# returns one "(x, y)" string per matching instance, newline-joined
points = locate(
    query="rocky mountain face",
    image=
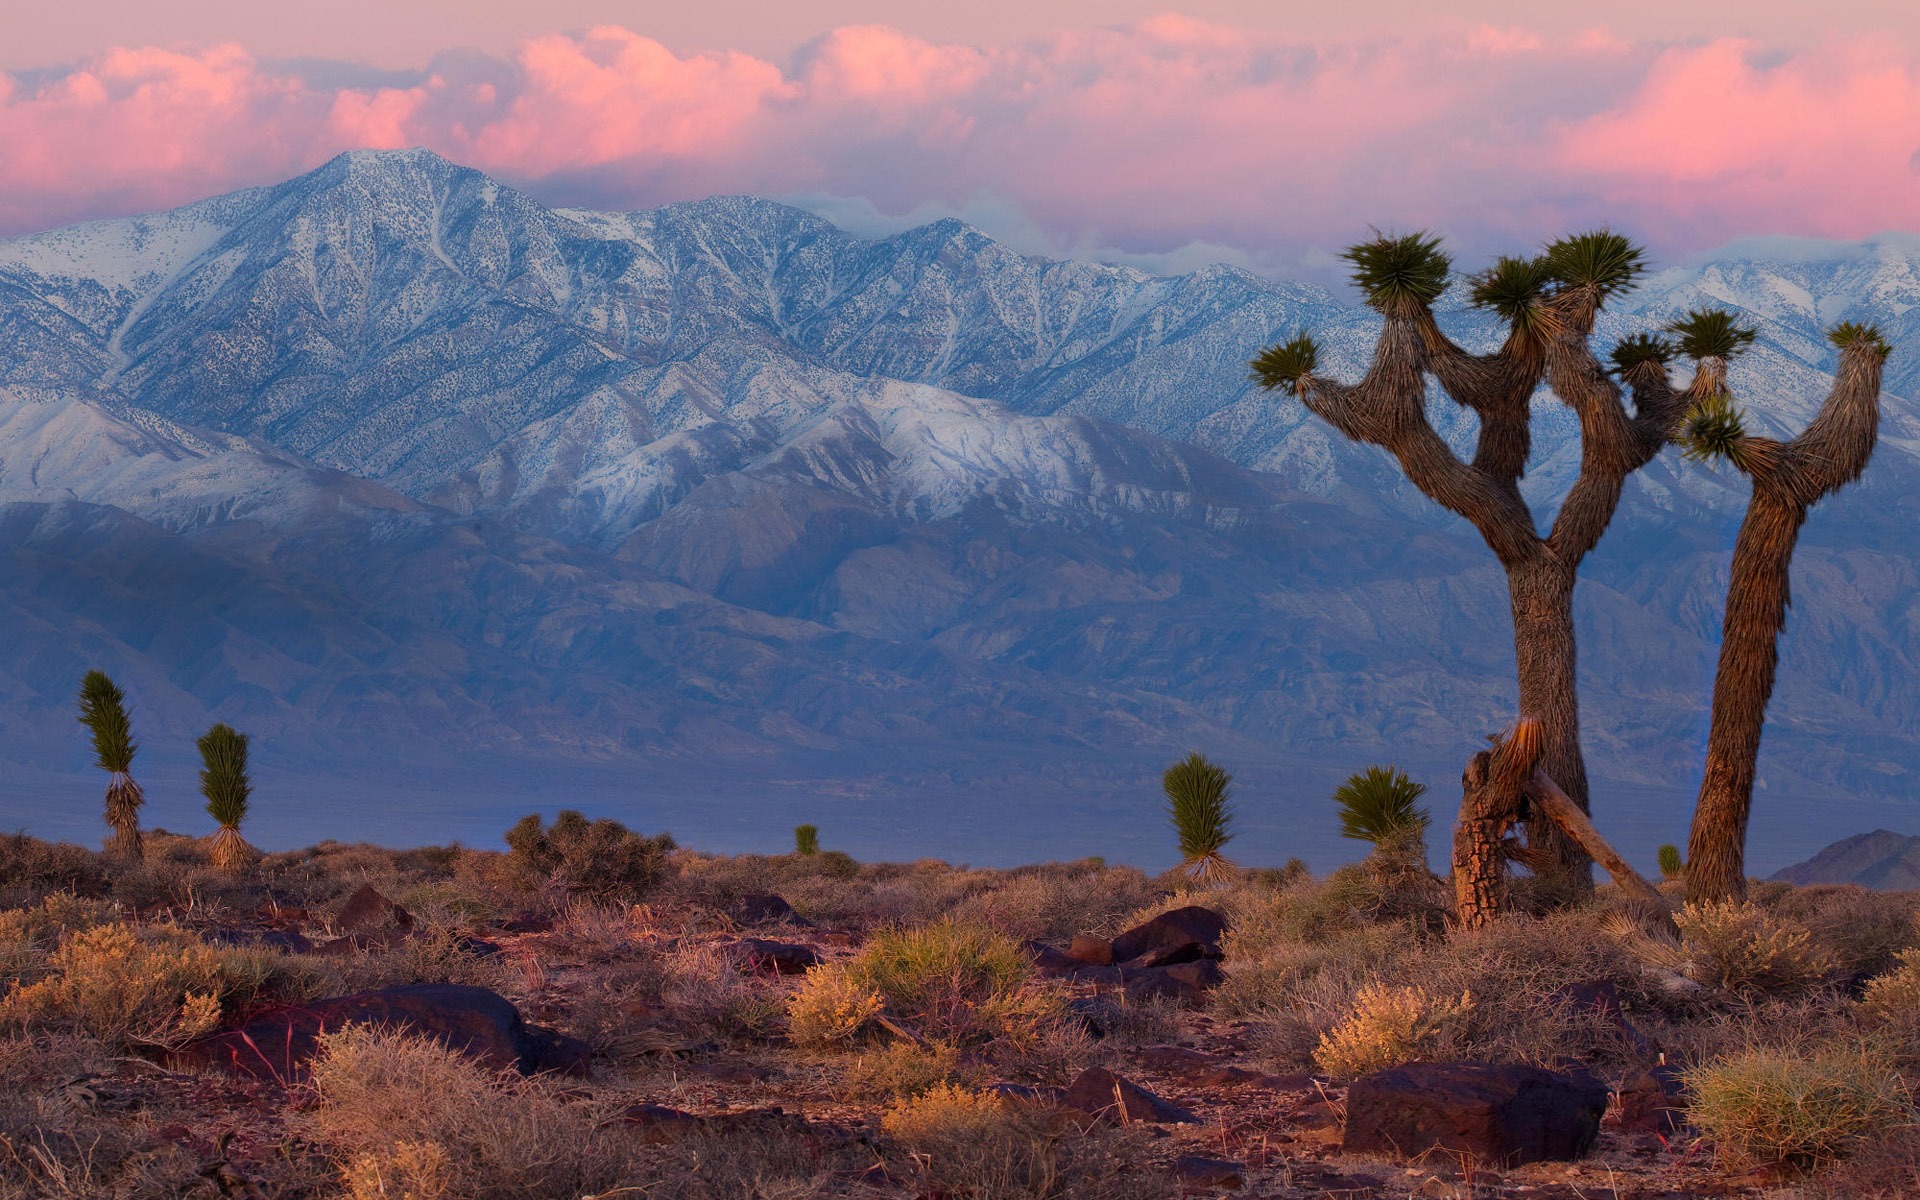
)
(390, 452)
(1882, 859)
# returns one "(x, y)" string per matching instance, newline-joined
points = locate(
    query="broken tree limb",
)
(1558, 807)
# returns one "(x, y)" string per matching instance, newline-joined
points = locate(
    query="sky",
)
(1263, 134)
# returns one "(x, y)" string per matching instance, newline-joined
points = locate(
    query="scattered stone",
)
(656, 1120)
(1498, 1115)
(1175, 1058)
(1654, 1101)
(1200, 1171)
(1094, 951)
(1184, 983)
(783, 958)
(367, 910)
(477, 947)
(764, 908)
(1050, 962)
(278, 1044)
(1096, 1014)
(1169, 930)
(1100, 1093)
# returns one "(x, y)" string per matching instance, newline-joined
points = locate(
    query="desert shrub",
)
(153, 985)
(402, 1112)
(899, 1070)
(1859, 930)
(29, 935)
(707, 987)
(1388, 1026)
(601, 858)
(832, 1009)
(31, 868)
(1799, 1108)
(970, 1144)
(433, 954)
(764, 1159)
(1886, 1167)
(834, 864)
(1743, 948)
(952, 980)
(1054, 901)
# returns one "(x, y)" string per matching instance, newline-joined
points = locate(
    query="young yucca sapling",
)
(103, 710)
(1672, 865)
(806, 840)
(1197, 794)
(1380, 805)
(224, 782)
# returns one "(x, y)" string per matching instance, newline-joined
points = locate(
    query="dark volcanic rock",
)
(1100, 1093)
(1050, 962)
(785, 958)
(278, 1044)
(1500, 1115)
(1653, 1102)
(1199, 1171)
(367, 910)
(1185, 983)
(1170, 931)
(1094, 951)
(764, 908)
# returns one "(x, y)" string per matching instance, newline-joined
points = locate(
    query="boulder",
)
(1170, 931)
(1498, 1115)
(1049, 962)
(1197, 1170)
(1186, 983)
(764, 908)
(1100, 1093)
(279, 1043)
(367, 911)
(1654, 1101)
(783, 958)
(1094, 951)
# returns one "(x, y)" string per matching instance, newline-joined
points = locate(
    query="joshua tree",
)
(1788, 478)
(806, 840)
(224, 782)
(103, 710)
(1548, 305)
(1197, 793)
(1378, 805)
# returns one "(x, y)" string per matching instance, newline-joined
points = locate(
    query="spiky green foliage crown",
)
(1600, 261)
(1640, 349)
(103, 710)
(1512, 289)
(1852, 333)
(1284, 364)
(806, 840)
(1716, 428)
(223, 775)
(1711, 333)
(1379, 804)
(1672, 865)
(1396, 272)
(1197, 792)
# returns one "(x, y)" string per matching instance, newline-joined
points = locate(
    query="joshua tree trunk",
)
(1787, 480)
(1544, 651)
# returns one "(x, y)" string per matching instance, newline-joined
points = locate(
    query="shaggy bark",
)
(1788, 478)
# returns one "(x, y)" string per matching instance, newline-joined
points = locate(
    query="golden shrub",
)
(1388, 1026)
(1798, 1108)
(158, 986)
(831, 1009)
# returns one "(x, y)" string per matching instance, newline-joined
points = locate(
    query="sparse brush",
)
(103, 711)
(1399, 272)
(1767, 1107)
(1600, 262)
(225, 784)
(1379, 805)
(1285, 366)
(806, 840)
(1711, 333)
(1848, 334)
(601, 858)
(1197, 793)
(1514, 289)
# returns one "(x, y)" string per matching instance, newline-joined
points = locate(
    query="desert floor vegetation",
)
(806, 1025)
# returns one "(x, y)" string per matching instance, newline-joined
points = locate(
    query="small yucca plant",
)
(103, 710)
(1378, 805)
(224, 782)
(1672, 865)
(1197, 792)
(806, 840)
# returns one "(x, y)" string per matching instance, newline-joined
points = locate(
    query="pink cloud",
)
(1143, 138)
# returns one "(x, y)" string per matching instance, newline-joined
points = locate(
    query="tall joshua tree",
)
(224, 782)
(1549, 305)
(103, 710)
(1788, 478)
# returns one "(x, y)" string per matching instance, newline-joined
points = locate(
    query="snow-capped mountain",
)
(722, 485)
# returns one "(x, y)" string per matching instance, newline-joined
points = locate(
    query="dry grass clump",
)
(137, 986)
(1745, 949)
(900, 1070)
(1387, 1027)
(1858, 929)
(1879, 1168)
(979, 1146)
(30, 869)
(707, 988)
(406, 1116)
(1057, 900)
(832, 1009)
(1799, 1108)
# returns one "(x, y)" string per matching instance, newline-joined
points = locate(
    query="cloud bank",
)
(1139, 141)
